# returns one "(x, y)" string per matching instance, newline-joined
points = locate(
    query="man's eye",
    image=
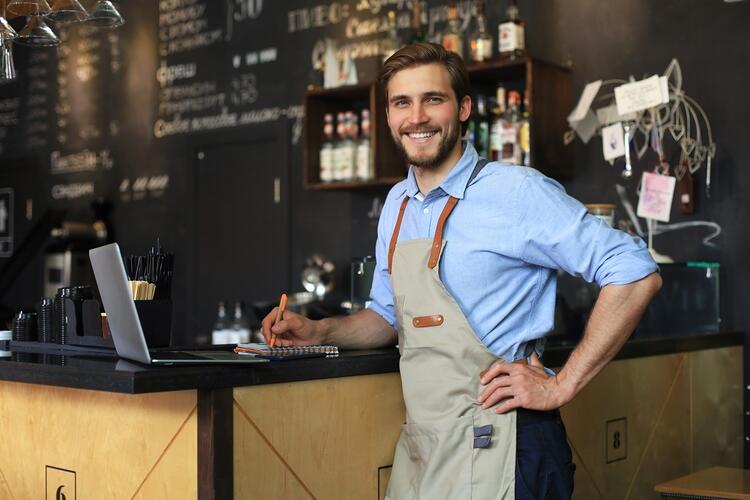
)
(400, 104)
(434, 100)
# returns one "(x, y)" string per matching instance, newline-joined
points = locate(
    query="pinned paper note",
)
(584, 102)
(643, 94)
(586, 128)
(613, 141)
(657, 192)
(609, 115)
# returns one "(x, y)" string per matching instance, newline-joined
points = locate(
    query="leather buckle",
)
(427, 321)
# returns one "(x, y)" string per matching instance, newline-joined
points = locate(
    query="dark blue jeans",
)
(544, 463)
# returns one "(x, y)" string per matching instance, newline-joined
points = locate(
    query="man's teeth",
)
(421, 135)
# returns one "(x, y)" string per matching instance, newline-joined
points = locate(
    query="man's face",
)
(424, 115)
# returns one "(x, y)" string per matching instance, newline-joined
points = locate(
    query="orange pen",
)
(279, 315)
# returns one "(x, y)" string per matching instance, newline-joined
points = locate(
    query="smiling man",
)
(467, 256)
(427, 131)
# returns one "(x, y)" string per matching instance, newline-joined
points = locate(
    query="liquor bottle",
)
(326, 150)
(348, 147)
(240, 326)
(451, 38)
(220, 334)
(394, 42)
(511, 149)
(480, 41)
(364, 165)
(497, 126)
(418, 35)
(338, 147)
(479, 127)
(524, 134)
(511, 33)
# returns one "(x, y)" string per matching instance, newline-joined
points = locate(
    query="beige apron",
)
(449, 448)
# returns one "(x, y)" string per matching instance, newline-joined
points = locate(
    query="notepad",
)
(290, 352)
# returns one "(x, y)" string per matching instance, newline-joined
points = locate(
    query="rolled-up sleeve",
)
(381, 293)
(556, 231)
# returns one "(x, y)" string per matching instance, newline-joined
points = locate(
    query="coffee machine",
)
(66, 257)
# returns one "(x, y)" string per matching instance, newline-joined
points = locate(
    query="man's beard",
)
(444, 148)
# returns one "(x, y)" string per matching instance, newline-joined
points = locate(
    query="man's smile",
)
(421, 136)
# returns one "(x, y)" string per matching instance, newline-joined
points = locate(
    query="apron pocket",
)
(433, 461)
(493, 473)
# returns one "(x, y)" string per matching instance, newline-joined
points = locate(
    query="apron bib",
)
(450, 448)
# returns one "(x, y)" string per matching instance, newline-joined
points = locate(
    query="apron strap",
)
(394, 237)
(438, 239)
(437, 242)
(449, 206)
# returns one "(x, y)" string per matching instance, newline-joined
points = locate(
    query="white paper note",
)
(586, 128)
(584, 102)
(608, 115)
(613, 141)
(640, 95)
(657, 192)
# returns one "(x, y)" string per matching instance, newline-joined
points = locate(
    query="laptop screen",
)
(124, 324)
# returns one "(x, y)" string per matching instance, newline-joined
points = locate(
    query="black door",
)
(241, 232)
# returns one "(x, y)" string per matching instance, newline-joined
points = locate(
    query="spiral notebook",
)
(291, 352)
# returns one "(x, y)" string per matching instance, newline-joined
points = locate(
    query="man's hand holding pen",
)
(283, 328)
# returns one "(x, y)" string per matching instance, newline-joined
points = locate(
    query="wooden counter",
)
(326, 428)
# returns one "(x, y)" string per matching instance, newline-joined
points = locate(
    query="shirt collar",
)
(454, 183)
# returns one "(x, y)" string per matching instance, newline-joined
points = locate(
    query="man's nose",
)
(418, 114)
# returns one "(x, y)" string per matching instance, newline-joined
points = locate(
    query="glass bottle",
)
(511, 149)
(497, 126)
(347, 147)
(524, 134)
(394, 42)
(418, 34)
(338, 147)
(480, 127)
(240, 326)
(511, 33)
(326, 150)
(480, 41)
(364, 165)
(220, 331)
(452, 39)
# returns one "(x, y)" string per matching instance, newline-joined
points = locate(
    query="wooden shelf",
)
(389, 164)
(377, 183)
(546, 88)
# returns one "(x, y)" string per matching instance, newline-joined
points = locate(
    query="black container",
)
(69, 312)
(156, 320)
(45, 315)
(24, 327)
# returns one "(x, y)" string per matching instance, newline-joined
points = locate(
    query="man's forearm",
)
(363, 330)
(614, 317)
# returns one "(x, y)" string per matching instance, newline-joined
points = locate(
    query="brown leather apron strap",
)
(394, 237)
(437, 242)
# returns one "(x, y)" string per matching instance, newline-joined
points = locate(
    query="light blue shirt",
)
(510, 232)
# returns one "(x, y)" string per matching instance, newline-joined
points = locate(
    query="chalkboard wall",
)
(144, 114)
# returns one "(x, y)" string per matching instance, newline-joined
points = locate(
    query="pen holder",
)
(156, 321)
(155, 317)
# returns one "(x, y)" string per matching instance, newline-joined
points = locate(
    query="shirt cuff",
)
(384, 312)
(628, 272)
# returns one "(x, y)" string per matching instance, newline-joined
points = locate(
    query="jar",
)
(605, 211)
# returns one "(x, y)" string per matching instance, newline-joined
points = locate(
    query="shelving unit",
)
(389, 164)
(546, 88)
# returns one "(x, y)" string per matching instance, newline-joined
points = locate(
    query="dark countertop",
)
(110, 374)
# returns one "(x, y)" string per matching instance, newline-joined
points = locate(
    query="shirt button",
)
(426, 210)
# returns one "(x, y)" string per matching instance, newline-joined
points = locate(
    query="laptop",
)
(125, 326)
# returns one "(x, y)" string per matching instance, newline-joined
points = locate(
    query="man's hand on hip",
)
(520, 385)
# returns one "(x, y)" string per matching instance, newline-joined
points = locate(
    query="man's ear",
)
(464, 108)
